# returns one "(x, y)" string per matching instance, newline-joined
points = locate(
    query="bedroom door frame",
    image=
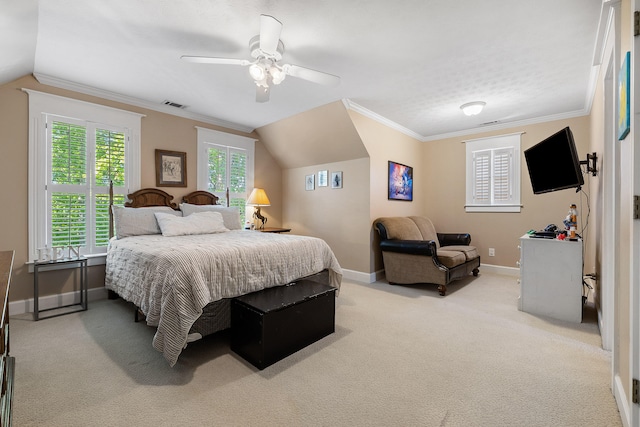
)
(634, 300)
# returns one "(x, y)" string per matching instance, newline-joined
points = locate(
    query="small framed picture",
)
(310, 182)
(336, 179)
(171, 168)
(322, 178)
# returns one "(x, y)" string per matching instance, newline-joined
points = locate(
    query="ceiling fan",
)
(267, 49)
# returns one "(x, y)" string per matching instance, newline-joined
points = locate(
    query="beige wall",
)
(338, 216)
(384, 144)
(445, 173)
(321, 135)
(159, 130)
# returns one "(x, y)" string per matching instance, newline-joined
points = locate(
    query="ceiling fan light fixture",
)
(473, 108)
(277, 75)
(257, 72)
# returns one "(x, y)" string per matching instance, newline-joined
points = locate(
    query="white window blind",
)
(493, 174)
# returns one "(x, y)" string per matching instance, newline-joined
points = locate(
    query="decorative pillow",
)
(138, 221)
(230, 215)
(197, 223)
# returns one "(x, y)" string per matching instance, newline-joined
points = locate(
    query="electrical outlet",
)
(492, 252)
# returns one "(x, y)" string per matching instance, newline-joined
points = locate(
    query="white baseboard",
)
(358, 276)
(500, 269)
(55, 301)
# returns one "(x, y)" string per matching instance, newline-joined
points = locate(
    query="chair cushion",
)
(427, 230)
(401, 228)
(451, 259)
(470, 252)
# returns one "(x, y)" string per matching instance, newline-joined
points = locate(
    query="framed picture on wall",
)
(171, 168)
(336, 179)
(322, 178)
(624, 95)
(310, 182)
(400, 182)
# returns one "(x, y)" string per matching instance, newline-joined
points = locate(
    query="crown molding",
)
(350, 105)
(129, 100)
(479, 129)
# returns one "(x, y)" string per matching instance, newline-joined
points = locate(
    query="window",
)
(76, 150)
(225, 161)
(493, 174)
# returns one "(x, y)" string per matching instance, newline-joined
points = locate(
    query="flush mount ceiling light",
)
(472, 108)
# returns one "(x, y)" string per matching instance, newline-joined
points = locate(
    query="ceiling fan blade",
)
(211, 60)
(270, 29)
(311, 75)
(262, 93)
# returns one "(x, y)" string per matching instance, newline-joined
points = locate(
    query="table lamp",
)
(258, 198)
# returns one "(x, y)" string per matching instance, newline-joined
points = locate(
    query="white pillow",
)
(230, 215)
(198, 223)
(138, 221)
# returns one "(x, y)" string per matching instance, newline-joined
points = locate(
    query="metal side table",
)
(80, 263)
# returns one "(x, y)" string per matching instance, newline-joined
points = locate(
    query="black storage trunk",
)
(271, 324)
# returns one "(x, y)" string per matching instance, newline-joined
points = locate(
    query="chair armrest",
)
(450, 239)
(412, 247)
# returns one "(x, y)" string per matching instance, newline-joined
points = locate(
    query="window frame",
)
(491, 146)
(208, 138)
(42, 106)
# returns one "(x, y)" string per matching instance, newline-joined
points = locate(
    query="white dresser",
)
(551, 278)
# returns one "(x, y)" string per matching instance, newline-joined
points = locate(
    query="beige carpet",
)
(400, 356)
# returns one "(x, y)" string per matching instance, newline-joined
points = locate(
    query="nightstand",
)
(274, 230)
(80, 263)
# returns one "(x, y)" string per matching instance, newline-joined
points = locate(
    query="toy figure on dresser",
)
(571, 222)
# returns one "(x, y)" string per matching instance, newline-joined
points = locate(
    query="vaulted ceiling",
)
(412, 63)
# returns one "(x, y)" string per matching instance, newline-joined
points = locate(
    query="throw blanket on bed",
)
(172, 279)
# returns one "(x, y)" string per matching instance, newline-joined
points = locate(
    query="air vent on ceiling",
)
(174, 104)
(490, 123)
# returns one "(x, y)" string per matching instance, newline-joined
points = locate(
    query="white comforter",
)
(171, 279)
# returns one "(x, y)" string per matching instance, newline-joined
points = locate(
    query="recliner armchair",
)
(413, 252)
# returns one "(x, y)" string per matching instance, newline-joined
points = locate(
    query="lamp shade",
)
(258, 197)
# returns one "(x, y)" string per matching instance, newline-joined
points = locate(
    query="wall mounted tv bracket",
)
(591, 162)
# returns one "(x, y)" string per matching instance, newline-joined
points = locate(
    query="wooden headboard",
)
(150, 197)
(201, 198)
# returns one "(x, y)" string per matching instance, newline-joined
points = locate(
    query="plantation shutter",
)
(84, 159)
(225, 164)
(109, 167)
(238, 179)
(493, 174)
(68, 179)
(217, 182)
(501, 175)
(228, 169)
(482, 177)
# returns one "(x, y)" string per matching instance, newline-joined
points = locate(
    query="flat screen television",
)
(553, 163)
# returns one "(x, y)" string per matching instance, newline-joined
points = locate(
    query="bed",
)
(183, 283)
